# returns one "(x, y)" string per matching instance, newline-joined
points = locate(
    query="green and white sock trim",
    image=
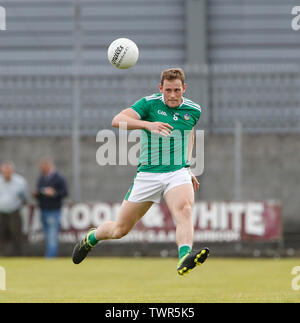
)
(183, 250)
(92, 240)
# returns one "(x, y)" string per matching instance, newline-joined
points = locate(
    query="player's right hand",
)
(160, 128)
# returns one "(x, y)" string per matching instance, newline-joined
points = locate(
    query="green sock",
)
(92, 239)
(183, 250)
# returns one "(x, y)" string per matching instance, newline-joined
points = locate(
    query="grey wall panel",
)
(251, 32)
(42, 32)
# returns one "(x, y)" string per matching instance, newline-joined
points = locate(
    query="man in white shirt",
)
(13, 194)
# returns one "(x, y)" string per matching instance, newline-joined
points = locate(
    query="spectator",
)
(51, 189)
(13, 194)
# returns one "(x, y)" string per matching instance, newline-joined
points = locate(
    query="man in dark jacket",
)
(51, 189)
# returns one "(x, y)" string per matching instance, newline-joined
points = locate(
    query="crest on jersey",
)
(186, 116)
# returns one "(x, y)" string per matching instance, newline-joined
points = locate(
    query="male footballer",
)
(167, 119)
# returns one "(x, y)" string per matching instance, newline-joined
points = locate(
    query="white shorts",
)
(153, 186)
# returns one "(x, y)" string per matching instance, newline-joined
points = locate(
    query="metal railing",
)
(40, 101)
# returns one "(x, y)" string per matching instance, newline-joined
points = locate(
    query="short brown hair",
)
(172, 74)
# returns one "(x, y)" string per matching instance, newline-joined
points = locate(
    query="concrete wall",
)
(270, 168)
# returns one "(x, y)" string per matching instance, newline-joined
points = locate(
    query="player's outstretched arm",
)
(128, 119)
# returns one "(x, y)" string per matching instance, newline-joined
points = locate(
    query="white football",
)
(123, 53)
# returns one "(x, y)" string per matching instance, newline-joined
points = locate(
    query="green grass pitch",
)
(148, 280)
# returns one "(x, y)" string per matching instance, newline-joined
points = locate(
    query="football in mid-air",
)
(123, 53)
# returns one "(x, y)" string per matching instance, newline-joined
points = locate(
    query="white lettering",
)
(162, 112)
(2, 278)
(2, 18)
(236, 210)
(80, 216)
(134, 151)
(254, 219)
(108, 148)
(122, 313)
(123, 148)
(115, 211)
(197, 162)
(208, 215)
(223, 216)
(153, 218)
(65, 219)
(101, 212)
(295, 21)
(296, 280)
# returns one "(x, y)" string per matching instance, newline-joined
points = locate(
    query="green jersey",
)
(161, 154)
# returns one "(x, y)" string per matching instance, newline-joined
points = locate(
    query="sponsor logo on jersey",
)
(162, 113)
